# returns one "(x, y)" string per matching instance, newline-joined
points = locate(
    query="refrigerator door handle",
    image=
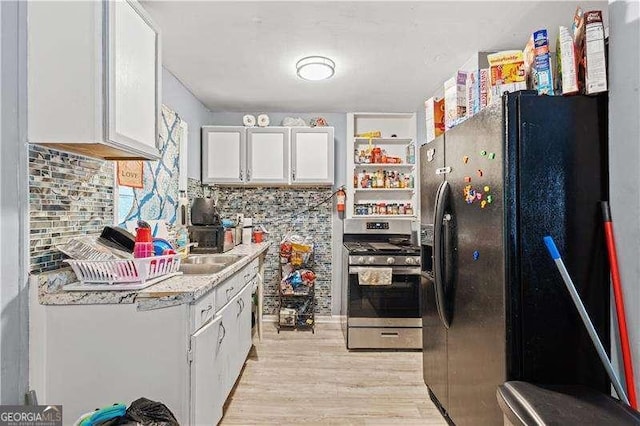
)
(442, 198)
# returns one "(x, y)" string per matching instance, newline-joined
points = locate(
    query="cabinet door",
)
(133, 70)
(208, 373)
(268, 155)
(312, 155)
(223, 154)
(229, 345)
(244, 323)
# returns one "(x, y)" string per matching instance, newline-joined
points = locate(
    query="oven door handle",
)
(396, 270)
(442, 201)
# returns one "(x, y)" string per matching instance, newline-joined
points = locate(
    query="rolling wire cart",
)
(296, 288)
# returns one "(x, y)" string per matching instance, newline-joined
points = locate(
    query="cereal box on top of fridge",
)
(595, 62)
(507, 67)
(542, 76)
(473, 93)
(566, 64)
(438, 116)
(484, 87)
(429, 115)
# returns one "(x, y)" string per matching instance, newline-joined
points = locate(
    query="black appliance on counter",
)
(494, 306)
(206, 228)
(381, 316)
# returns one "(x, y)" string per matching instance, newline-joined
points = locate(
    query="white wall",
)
(13, 193)
(624, 156)
(177, 97)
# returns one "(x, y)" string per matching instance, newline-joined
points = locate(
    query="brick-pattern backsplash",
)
(69, 195)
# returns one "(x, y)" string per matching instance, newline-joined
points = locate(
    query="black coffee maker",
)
(206, 228)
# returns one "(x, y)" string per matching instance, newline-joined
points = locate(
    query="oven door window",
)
(399, 300)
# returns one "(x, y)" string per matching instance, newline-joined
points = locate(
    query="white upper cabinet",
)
(94, 78)
(223, 154)
(268, 155)
(312, 155)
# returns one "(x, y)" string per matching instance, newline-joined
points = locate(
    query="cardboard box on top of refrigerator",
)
(484, 81)
(507, 72)
(429, 122)
(595, 62)
(455, 103)
(566, 64)
(473, 93)
(434, 118)
(542, 78)
(438, 116)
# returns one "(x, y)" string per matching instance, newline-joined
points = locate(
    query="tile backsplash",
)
(69, 195)
(276, 209)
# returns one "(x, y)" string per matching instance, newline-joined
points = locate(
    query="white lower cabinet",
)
(206, 373)
(186, 356)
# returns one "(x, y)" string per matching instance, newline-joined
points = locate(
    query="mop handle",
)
(553, 251)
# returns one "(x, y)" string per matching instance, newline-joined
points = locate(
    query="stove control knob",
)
(410, 261)
(360, 260)
(391, 260)
(370, 260)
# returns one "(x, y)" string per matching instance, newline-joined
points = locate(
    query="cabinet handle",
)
(205, 311)
(224, 333)
(241, 175)
(242, 304)
(293, 174)
(239, 307)
(228, 290)
(248, 174)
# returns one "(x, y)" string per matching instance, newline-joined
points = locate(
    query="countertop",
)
(173, 291)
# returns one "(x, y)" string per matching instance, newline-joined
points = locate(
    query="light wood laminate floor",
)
(296, 377)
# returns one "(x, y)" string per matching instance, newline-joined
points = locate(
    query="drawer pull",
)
(389, 334)
(227, 291)
(205, 311)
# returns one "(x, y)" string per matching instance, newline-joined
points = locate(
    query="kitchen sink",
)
(202, 264)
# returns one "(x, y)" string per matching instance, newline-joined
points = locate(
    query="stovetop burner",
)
(380, 248)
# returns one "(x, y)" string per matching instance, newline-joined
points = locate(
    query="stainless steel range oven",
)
(381, 314)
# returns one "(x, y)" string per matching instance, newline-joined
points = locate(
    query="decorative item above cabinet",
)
(94, 74)
(260, 156)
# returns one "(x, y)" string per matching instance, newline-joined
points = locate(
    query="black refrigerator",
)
(493, 304)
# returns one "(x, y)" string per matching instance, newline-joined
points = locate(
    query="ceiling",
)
(390, 56)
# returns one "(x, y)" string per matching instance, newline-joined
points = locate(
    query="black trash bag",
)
(150, 413)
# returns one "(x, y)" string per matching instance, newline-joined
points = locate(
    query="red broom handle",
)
(620, 312)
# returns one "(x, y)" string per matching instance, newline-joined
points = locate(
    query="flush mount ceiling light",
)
(315, 68)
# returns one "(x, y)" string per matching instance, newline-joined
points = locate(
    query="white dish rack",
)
(121, 271)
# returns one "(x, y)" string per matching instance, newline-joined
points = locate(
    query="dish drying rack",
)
(124, 270)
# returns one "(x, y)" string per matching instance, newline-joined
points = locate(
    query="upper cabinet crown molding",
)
(94, 74)
(256, 156)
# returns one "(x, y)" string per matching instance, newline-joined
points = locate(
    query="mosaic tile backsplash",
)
(69, 195)
(275, 208)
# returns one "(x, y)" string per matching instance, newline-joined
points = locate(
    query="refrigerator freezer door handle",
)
(442, 198)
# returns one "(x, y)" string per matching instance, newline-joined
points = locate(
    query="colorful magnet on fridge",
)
(467, 179)
(430, 154)
(465, 159)
(480, 173)
(479, 195)
(483, 153)
(486, 189)
(489, 199)
(492, 155)
(483, 204)
(476, 255)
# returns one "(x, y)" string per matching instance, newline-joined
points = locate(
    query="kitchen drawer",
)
(384, 338)
(203, 310)
(227, 290)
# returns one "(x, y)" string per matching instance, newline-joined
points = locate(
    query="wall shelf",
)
(399, 148)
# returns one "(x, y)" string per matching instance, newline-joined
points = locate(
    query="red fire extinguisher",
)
(341, 197)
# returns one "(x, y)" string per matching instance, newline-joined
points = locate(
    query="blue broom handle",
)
(555, 254)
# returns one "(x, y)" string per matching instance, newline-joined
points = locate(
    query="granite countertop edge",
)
(171, 292)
